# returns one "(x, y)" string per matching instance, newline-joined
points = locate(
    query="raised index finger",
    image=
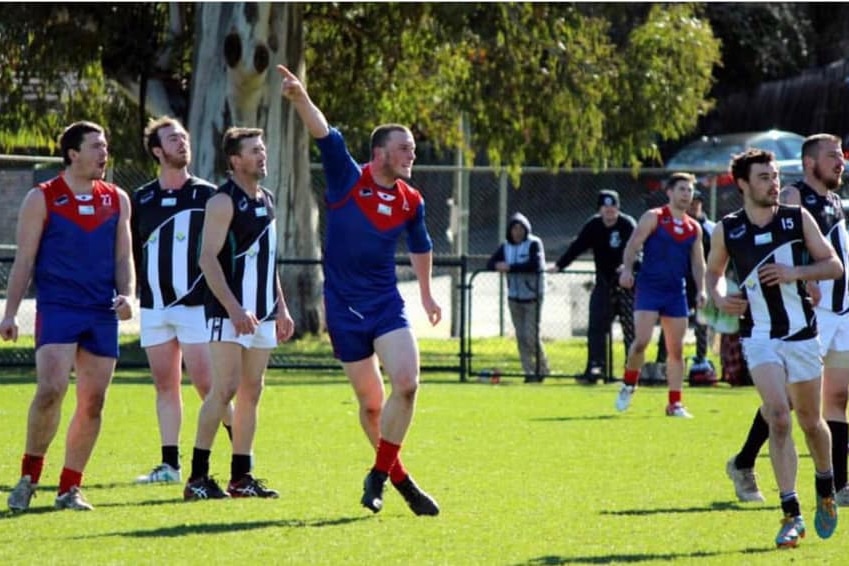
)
(287, 74)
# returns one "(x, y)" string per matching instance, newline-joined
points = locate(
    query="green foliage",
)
(55, 59)
(537, 83)
(544, 474)
(665, 78)
(390, 63)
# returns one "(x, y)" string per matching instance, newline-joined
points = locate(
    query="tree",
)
(539, 83)
(235, 83)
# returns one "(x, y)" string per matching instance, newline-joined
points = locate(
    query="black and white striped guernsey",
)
(166, 228)
(248, 257)
(777, 311)
(828, 212)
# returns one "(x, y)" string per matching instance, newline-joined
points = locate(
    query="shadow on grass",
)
(578, 418)
(217, 528)
(630, 558)
(715, 506)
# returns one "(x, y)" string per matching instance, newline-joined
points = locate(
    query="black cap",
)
(608, 197)
(698, 195)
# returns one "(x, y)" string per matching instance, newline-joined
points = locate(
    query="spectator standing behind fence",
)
(522, 259)
(369, 208)
(700, 362)
(73, 239)
(166, 226)
(606, 234)
(673, 246)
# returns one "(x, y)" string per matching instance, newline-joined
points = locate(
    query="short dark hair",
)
(381, 134)
(811, 145)
(72, 137)
(741, 164)
(231, 144)
(151, 132)
(679, 176)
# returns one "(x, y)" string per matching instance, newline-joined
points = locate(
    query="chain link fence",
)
(467, 213)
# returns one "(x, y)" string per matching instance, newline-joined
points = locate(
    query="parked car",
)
(709, 156)
(714, 152)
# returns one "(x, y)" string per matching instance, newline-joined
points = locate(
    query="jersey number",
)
(787, 224)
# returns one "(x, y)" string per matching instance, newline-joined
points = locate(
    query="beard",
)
(177, 161)
(765, 201)
(831, 184)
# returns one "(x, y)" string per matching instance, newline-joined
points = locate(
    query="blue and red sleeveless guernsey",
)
(666, 252)
(364, 223)
(75, 265)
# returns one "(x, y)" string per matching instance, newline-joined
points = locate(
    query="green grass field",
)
(525, 474)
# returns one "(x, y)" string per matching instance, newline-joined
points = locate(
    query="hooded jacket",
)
(526, 258)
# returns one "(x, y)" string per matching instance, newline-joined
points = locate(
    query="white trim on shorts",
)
(220, 329)
(801, 359)
(833, 331)
(186, 324)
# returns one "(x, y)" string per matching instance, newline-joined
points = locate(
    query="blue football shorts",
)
(91, 329)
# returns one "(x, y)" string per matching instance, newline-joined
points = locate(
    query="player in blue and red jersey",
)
(73, 240)
(368, 209)
(672, 244)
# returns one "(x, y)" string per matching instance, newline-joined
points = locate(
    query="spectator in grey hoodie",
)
(522, 258)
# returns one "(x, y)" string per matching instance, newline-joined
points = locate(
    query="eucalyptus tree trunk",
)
(235, 84)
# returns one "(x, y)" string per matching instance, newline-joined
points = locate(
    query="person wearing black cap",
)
(606, 234)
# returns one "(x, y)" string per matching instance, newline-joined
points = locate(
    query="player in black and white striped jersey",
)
(246, 313)
(774, 249)
(822, 157)
(166, 223)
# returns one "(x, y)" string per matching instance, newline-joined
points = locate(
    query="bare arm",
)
(125, 274)
(295, 91)
(285, 325)
(790, 195)
(697, 263)
(216, 221)
(645, 227)
(825, 264)
(717, 262)
(31, 217)
(422, 265)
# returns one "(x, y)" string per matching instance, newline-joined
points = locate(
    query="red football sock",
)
(631, 376)
(398, 473)
(31, 466)
(387, 455)
(68, 479)
(674, 397)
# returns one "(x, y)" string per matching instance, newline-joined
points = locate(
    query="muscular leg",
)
(674, 329)
(364, 376)
(769, 380)
(399, 354)
(246, 412)
(94, 373)
(644, 322)
(198, 360)
(806, 399)
(165, 369)
(53, 368)
(227, 364)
